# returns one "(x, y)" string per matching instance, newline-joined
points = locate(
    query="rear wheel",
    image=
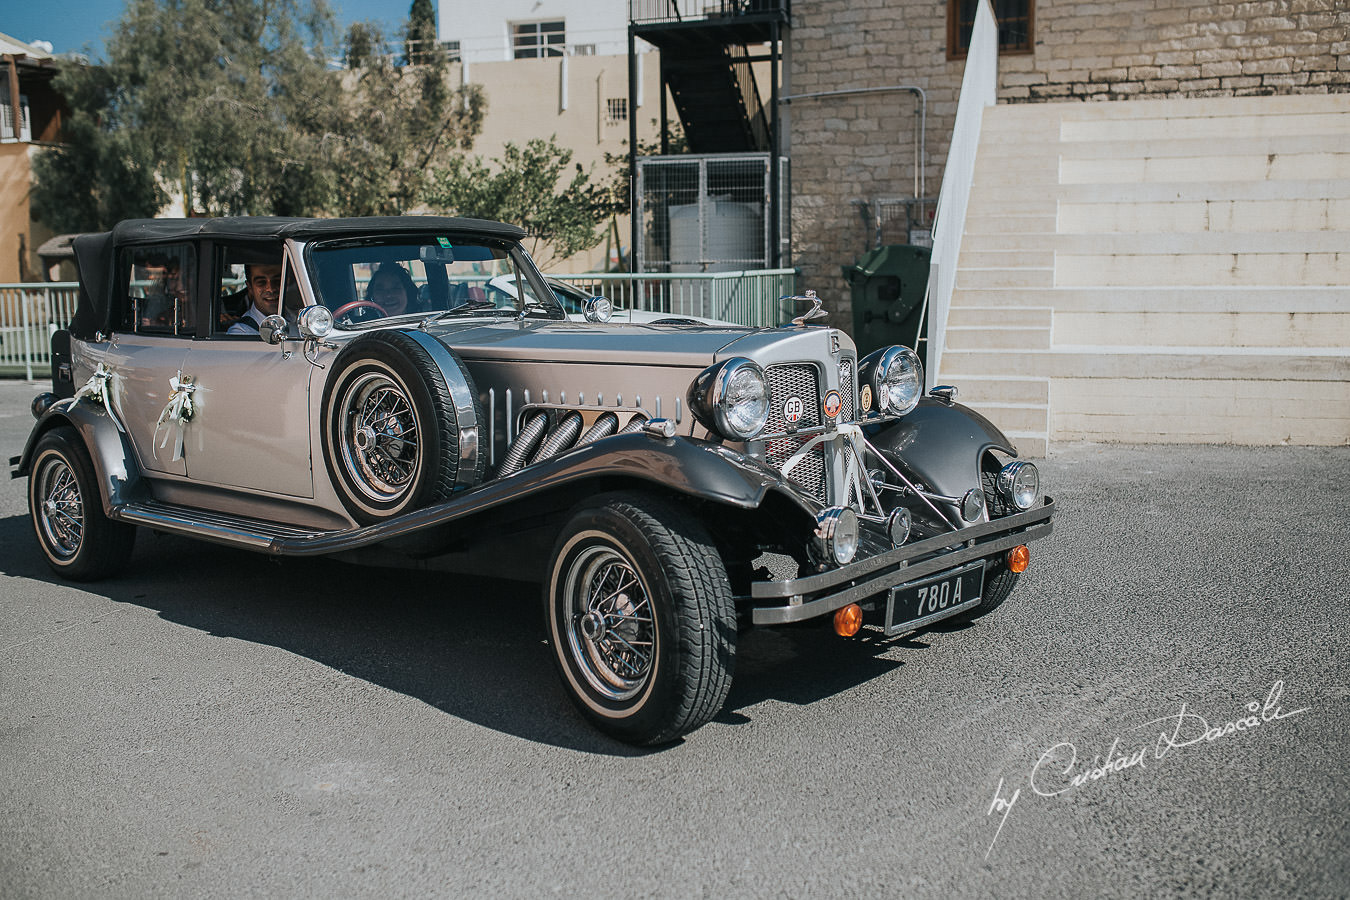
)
(78, 540)
(641, 618)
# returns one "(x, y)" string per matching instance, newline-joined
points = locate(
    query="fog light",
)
(1019, 558)
(837, 534)
(848, 621)
(972, 505)
(898, 525)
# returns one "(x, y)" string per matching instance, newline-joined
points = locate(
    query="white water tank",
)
(735, 237)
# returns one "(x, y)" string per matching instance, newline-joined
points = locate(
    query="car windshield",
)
(365, 280)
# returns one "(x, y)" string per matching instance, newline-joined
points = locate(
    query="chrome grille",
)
(801, 381)
(847, 390)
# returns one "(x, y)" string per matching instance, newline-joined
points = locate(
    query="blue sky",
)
(71, 24)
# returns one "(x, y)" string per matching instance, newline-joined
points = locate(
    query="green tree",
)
(66, 196)
(530, 186)
(421, 46)
(236, 106)
(401, 122)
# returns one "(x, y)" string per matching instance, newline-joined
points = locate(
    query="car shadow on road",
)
(472, 647)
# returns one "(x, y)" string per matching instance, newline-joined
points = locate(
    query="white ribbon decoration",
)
(178, 412)
(97, 390)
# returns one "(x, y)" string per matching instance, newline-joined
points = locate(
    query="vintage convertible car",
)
(259, 382)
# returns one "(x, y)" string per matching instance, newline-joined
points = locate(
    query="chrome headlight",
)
(731, 399)
(1019, 483)
(837, 534)
(316, 323)
(895, 375)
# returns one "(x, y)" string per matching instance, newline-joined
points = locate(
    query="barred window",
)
(616, 110)
(1015, 18)
(530, 40)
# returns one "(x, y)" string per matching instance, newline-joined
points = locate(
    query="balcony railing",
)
(658, 12)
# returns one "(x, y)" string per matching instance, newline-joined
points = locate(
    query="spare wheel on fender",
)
(400, 424)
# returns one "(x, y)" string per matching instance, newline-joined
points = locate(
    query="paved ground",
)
(215, 724)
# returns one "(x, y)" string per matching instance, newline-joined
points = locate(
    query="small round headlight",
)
(837, 534)
(1019, 483)
(895, 375)
(731, 399)
(316, 322)
(597, 309)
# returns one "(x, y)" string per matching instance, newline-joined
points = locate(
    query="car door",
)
(152, 332)
(250, 424)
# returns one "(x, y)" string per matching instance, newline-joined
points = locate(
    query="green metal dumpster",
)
(888, 285)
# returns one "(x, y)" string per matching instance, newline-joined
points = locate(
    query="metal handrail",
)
(979, 89)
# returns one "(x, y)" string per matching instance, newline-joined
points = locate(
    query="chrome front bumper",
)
(782, 602)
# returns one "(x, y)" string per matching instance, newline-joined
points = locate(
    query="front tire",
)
(641, 618)
(79, 542)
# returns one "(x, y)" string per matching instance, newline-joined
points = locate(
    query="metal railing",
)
(979, 89)
(751, 297)
(29, 314)
(651, 12)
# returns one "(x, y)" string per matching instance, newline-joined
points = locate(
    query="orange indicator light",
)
(848, 620)
(1018, 559)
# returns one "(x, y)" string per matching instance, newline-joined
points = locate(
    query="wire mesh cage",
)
(702, 214)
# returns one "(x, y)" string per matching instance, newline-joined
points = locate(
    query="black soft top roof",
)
(95, 256)
(136, 231)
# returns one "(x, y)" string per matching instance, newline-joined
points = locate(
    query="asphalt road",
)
(213, 724)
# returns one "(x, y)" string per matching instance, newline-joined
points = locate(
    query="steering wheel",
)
(358, 306)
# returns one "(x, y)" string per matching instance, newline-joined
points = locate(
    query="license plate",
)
(914, 605)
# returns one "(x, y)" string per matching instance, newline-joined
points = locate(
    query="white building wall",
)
(484, 29)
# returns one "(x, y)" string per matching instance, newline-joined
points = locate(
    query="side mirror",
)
(597, 309)
(272, 330)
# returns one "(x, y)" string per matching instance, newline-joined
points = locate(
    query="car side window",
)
(248, 287)
(158, 295)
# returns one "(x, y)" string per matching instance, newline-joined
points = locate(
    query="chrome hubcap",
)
(381, 445)
(610, 630)
(61, 511)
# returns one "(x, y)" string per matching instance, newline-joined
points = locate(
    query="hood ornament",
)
(815, 312)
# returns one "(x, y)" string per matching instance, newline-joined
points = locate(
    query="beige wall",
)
(525, 100)
(15, 176)
(858, 148)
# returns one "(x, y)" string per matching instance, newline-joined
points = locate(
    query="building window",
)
(583, 49)
(451, 49)
(616, 110)
(535, 39)
(1015, 18)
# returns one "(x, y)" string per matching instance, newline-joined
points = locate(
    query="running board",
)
(219, 528)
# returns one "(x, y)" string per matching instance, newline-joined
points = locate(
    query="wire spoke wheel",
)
(640, 616)
(76, 536)
(610, 630)
(380, 441)
(60, 512)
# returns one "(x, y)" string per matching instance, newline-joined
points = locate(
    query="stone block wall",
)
(850, 150)
(1156, 49)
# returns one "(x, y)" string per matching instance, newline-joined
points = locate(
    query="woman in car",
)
(392, 289)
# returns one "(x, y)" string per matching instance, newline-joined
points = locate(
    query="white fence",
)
(751, 297)
(29, 313)
(979, 89)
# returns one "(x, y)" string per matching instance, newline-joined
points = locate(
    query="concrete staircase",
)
(1158, 271)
